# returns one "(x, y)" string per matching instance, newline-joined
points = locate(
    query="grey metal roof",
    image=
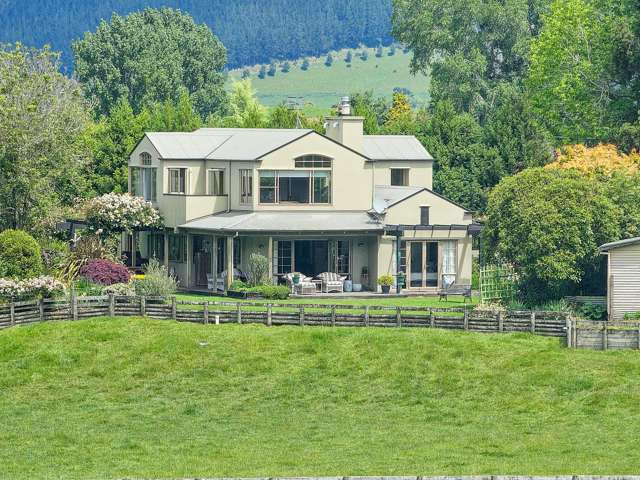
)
(386, 196)
(394, 147)
(619, 243)
(286, 221)
(222, 143)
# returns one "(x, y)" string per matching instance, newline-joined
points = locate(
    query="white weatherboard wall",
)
(624, 281)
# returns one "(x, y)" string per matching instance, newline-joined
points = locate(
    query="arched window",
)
(313, 161)
(145, 158)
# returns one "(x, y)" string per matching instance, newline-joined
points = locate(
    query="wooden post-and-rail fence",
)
(553, 324)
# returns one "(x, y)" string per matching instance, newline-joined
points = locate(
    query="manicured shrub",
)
(84, 287)
(593, 311)
(104, 272)
(120, 289)
(385, 280)
(20, 255)
(156, 282)
(272, 292)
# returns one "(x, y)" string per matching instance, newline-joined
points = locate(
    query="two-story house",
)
(344, 202)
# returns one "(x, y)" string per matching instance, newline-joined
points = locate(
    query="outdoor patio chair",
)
(304, 286)
(332, 282)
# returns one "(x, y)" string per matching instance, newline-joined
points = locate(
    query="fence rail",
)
(604, 335)
(552, 324)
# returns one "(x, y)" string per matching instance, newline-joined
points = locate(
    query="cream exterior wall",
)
(420, 172)
(442, 212)
(351, 178)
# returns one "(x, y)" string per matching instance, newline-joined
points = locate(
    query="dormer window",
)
(145, 158)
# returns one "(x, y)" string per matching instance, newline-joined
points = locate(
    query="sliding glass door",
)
(422, 259)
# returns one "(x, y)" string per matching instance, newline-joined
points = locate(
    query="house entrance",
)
(202, 259)
(311, 256)
(422, 259)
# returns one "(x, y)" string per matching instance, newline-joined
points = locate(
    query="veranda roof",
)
(288, 222)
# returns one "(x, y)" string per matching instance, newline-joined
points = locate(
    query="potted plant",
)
(296, 278)
(385, 282)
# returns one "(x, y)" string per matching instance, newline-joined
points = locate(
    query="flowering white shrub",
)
(39, 287)
(115, 212)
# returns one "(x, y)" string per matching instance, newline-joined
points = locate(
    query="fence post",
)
(333, 315)
(398, 317)
(269, 318)
(568, 329)
(239, 313)
(206, 313)
(500, 322)
(366, 315)
(74, 305)
(432, 318)
(41, 308)
(12, 312)
(533, 321)
(605, 336)
(466, 318)
(174, 309)
(143, 306)
(302, 315)
(638, 325)
(112, 305)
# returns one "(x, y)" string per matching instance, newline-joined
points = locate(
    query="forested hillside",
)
(254, 31)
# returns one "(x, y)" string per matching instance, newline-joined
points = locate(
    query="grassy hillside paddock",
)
(322, 86)
(113, 398)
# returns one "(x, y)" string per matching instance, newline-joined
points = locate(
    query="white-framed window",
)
(246, 186)
(215, 182)
(343, 257)
(295, 186)
(177, 180)
(145, 158)
(449, 260)
(400, 177)
(143, 183)
(313, 161)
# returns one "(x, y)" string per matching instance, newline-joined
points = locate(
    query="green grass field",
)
(323, 86)
(137, 398)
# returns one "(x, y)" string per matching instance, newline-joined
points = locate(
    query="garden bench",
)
(455, 289)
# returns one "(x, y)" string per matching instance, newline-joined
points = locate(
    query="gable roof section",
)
(394, 147)
(619, 243)
(388, 196)
(222, 143)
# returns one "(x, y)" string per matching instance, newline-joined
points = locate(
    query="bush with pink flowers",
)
(105, 272)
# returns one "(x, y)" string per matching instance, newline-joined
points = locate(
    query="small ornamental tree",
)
(329, 60)
(20, 255)
(348, 57)
(364, 56)
(286, 66)
(263, 72)
(116, 213)
(104, 272)
(305, 65)
(272, 70)
(379, 51)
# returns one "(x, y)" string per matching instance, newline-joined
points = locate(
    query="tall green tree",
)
(571, 77)
(467, 46)
(549, 223)
(149, 57)
(43, 153)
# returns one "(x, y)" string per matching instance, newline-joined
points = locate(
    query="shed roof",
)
(619, 243)
(394, 147)
(287, 221)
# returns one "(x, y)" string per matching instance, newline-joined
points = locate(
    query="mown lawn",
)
(114, 398)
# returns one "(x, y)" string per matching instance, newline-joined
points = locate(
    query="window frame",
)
(177, 253)
(313, 161)
(170, 170)
(405, 177)
(145, 159)
(246, 186)
(137, 176)
(311, 193)
(220, 183)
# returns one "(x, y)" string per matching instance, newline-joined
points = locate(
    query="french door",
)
(422, 265)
